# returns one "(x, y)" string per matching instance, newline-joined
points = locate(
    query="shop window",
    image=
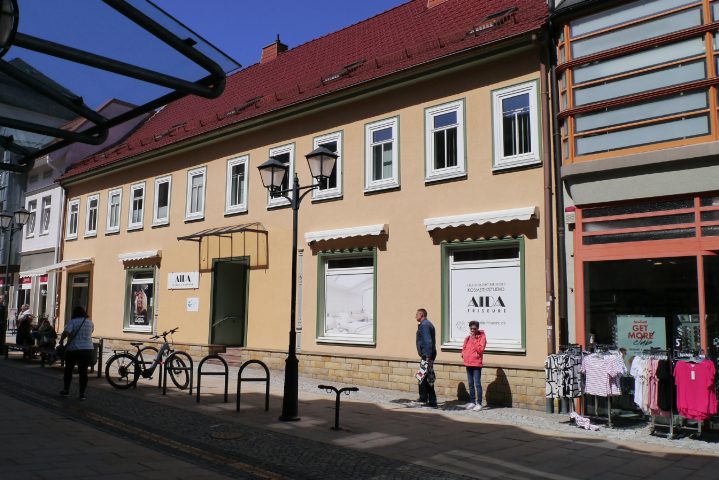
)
(347, 298)
(73, 211)
(330, 187)
(444, 137)
(161, 209)
(484, 281)
(236, 187)
(623, 14)
(137, 206)
(114, 202)
(91, 217)
(516, 126)
(139, 300)
(382, 154)
(711, 296)
(195, 202)
(30, 227)
(284, 154)
(42, 307)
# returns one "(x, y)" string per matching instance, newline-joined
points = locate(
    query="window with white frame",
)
(346, 312)
(45, 215)
(30, 227)
(73, 212)
(330, 187)
(161, 209)
(114, 207)
(516, 126)
(236, 185)
(382, 155)
(140, 300)
(93, 202)
(444, 137)
(137, 206)
(284, 154)
(195, 202)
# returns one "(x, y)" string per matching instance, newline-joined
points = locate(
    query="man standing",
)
(427, 350)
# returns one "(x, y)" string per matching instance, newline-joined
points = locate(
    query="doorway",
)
(228, 321)
(78, 294)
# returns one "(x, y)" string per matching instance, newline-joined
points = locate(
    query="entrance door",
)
(78, 293)
(229, 303)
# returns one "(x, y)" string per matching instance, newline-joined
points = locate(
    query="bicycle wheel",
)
(147, 356)
(122, 371)
(180, 377)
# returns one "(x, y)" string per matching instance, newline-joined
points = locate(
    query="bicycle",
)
(124, 369)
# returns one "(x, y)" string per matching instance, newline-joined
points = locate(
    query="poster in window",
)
(141, 301)
(349, 304)
(493, 297)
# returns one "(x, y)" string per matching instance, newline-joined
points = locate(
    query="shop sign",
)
(183, 280)
(25, 283)
(636, 333)
(492, 296)
(43, 279)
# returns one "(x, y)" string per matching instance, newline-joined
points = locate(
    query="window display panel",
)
(644, 303)
(140, 300)
(711, 299)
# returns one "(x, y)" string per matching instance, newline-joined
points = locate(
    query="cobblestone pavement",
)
(382, 436)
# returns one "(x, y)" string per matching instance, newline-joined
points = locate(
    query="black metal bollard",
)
(346, 391)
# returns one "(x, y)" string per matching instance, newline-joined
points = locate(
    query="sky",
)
(239, 28)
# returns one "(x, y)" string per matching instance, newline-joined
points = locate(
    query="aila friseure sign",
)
(489, 292)
(183, 280)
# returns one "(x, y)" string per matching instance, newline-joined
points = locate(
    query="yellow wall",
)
(408, 270)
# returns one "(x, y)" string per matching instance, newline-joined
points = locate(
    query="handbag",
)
(61, 349)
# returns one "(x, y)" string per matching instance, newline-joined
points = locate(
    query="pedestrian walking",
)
(473, 356)
(79, 349)
(427, 350)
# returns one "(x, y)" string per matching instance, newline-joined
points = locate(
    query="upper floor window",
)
(93, 202)
(161, 210)
(236, 188)
(137, 206)
(330, 187)
(30, 227)
(195, 206)
(45, 215)
(382, 155)
(114, 202)
(73, 210)
(284, 154)
(516, 126)
(444, 137)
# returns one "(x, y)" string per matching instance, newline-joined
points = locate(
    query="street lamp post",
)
(322, 163)
(9, 223)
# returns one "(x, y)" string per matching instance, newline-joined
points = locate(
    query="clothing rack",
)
(599, 348)
(688, 355)
(566, 404)
(667, 354)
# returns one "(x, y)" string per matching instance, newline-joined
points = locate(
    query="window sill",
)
(90, 235)
(112, 232)
(44, 234)
(443, 177)
(137, 330)
(327, 198)
(381, 188)
(135, 229)
(160, 225)
(194, 219)
(457, 347)
(516, 164)
(346, 341)
(279, 206)
(234, 212)
(70, 239)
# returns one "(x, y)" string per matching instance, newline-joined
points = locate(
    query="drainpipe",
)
(548, 213)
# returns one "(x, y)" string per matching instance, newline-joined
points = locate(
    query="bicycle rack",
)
(346, 391)
(254, 379)
(100, 365)
(189, 369)
(200, 373)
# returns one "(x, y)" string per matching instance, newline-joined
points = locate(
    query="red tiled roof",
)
(398, 39)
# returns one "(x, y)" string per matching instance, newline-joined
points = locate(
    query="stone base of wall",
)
(503, 386)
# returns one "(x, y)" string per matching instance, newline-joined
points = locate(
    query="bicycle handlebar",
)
(164, 334)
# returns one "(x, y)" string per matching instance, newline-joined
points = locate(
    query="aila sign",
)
(183, 280)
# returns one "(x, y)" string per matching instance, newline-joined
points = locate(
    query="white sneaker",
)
(469, 406)
(477, 408)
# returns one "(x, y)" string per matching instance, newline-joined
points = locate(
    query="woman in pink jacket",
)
(473, 356)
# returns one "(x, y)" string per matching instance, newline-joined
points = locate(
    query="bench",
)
(47, 354)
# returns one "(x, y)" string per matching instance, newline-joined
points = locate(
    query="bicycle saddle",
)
(136, 344)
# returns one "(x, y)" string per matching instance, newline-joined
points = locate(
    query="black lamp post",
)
(8, 24)
(9, 223)
(322, 163)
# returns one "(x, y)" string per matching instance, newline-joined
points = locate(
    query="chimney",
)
(273, 50)
(434, 3)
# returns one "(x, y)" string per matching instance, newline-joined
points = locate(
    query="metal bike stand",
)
(346, 391)
(189, 368)
(266, 379)
(200, 373)
(99, 358)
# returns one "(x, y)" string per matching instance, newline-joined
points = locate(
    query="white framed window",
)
(382, 154)
(93, 204)
(30, 227)
(346, 310)
(444, 141)
(161, 205)
(516, 126)
(236, 184)
(195, 203)
(284, 154)
(136, 216)
(139, 300)
(331, 187)
(114, 208)
(73, 211)
(45, 215)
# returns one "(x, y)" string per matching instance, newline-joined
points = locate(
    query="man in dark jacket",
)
(427, 351)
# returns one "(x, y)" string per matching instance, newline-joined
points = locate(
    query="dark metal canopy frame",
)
(228, 233)
(144, 14)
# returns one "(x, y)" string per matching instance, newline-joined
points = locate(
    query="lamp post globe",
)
(20, 217)
(272, 173)
(9, 16)
(5, 220)
(322, 162)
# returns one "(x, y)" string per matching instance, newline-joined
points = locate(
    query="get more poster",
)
(636, 333)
